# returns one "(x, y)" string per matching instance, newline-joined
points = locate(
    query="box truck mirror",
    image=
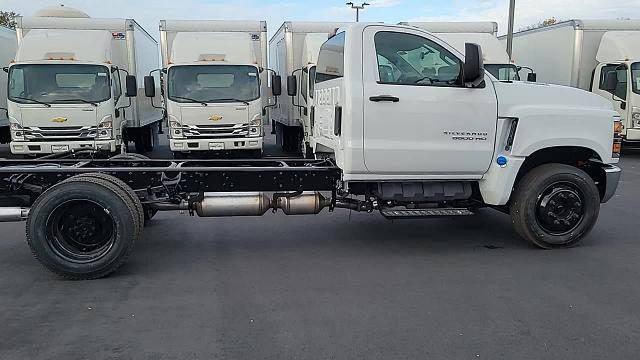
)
(5, 69)
(149, 86)
(131, 86)
(532, 77)
(292, 85)
(473, 67)
(611, 81)
(276, 85)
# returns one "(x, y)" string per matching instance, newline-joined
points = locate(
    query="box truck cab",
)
(216, 85)
(483, 33)
(7, 54)
(601, 56)
(293, 53)
(73, 84)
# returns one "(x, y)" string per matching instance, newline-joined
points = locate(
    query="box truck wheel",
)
(555, 206)
(146, 212)
(83, 228)
(147, 138)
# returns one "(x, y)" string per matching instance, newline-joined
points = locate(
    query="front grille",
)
(36, 133)
(222, 130)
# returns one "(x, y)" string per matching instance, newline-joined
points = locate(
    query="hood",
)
(517, 95)
(58, 116)
(214, 114)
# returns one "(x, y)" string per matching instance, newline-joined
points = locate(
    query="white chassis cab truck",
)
(457, 34)
(216, 85)
(395, 144)
(8, 46)
(74, 82)
(601, 56)
(293, 53)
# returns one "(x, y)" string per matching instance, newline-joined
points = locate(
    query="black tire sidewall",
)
(532, 186)
(37, 229)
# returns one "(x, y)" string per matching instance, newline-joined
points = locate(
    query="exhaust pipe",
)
(258, 203)
(13, 214)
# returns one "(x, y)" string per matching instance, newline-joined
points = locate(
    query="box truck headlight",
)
(255, 128)
(635, 117)
(17, 132)
(105, 128)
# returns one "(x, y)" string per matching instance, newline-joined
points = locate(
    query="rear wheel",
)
(83, 228)
(555, 206)
(147, 138)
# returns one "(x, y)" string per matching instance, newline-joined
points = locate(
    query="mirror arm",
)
(130, 103)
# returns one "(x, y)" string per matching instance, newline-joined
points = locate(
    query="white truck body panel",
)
(120, 43)
(8, 46)
(213, 43)
(295, 45)
(372, 144)
(574, 54)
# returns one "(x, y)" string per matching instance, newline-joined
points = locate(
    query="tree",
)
(547, 22)
(8, 19)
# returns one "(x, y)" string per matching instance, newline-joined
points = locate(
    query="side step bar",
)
(424, 213)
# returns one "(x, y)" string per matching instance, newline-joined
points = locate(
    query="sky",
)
(148, 13)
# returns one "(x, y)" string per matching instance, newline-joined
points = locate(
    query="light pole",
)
(357, 8)
(512, 9)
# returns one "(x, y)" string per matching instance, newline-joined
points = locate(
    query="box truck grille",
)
(209, 131)
(60, 133)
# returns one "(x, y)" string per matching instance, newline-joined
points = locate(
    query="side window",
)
(303, 83)
(621, 89)
(407, 59)
(331, 59)
(16, 84)
(117, 88)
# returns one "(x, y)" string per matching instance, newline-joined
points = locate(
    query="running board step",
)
(424, 213)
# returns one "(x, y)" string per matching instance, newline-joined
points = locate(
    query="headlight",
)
(106, 123)
(174, 124)
(16, 126)
(257, 121)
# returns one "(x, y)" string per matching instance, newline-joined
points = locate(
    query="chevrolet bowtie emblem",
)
(59, 119)
(215, 117)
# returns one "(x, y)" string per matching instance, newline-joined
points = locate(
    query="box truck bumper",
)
(37, 147)
(186, 145)
(633, 135)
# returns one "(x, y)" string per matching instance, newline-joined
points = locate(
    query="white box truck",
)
(396, 145)
(8, 46)
(216, 85)
(74, 82)
(586, 54)
(293, 53)
(483, 33)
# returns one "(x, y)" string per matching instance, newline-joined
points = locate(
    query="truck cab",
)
(62, 100)
(215, 85)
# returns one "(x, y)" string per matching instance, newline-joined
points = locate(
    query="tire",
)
(135, 200)
(101, 217)
(147, 139)
(555, 206)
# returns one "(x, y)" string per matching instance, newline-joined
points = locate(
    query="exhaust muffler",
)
(258, 203)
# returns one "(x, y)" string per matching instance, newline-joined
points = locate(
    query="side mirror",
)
(276, 85)
(473, 68)
(149, 86)
(131, 86)
(292, 85)
(532, 77)
(610, 81)
(5, 69)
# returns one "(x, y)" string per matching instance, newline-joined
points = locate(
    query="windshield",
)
(211, 83)
(635, 77)
(503, 72)
(59, 83)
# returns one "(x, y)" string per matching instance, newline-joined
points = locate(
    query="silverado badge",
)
(59, 119)
(215, 117)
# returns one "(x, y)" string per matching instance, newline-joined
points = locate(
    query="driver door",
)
(418, 117)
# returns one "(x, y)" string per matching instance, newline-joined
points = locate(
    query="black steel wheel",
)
(82, 228)
(555, 206)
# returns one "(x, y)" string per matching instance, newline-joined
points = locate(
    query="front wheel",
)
(555, 206)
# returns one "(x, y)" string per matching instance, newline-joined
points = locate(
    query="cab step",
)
(424, 213)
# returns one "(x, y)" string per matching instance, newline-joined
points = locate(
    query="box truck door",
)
(620, 95)
(418, 117)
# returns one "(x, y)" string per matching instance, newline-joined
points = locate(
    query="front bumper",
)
(612, 178)
(43, 147)
(216, 144)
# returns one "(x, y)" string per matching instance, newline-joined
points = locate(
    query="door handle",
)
(380, 98)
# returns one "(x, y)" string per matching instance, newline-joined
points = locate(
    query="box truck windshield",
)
(213, 83)
(59, 83)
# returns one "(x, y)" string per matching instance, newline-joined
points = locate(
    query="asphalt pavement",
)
(336, 286)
